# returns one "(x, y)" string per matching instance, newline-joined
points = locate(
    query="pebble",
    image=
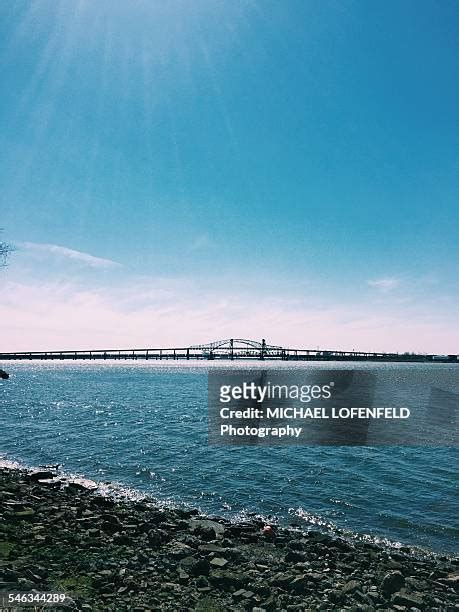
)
(119, 555)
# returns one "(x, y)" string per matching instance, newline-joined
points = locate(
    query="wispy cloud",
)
(203, 241)
(78, 256)
(55, 315)
(386, 284)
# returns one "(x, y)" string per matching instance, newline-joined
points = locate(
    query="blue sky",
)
(284, 169)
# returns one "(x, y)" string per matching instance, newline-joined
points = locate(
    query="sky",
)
(179, 172)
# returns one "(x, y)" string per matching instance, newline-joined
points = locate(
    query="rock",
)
(317, 536)
(41, 475)
(50, 482)
(211, 548)
(206, 534)
(243, 594)
(297, 544)
(341, 545)
(451, 579)
(374, 597)
(111, 518)
(335, 596)
(202, 581)
(391, 564)
(299, 584)
(25, 514)
(179, 550)
(315, 577)
(25, 585)
(206, 527)
(416, 585)
(218, 562)
(170, 562)
(410, 600)
(75, 487)
(157, 537)
(269, 604)
(392, 582)
(207, 604)
(293, 556)
(109, 527)
(351, 586)
(4, 374)
(195, 567)
(281, 579)
(224, 579)
(183, 576)
(121, 539)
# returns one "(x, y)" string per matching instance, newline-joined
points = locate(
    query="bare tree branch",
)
(5, 250)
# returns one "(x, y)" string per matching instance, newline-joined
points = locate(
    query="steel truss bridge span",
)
(233, 348)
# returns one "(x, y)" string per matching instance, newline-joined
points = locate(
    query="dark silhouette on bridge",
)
(233, 348)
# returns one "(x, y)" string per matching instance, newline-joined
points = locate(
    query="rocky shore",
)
(57, 536)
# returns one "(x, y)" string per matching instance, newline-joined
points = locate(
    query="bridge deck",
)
(225, 354)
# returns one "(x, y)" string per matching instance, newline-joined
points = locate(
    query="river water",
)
(144, 426)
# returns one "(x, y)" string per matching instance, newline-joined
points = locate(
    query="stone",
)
(24, 584)
(204, 525)
(297, 544)
(351, 586)
(374, 596)
(195, 567)
(269, 604)
(50, 482)
(183, 576)
(451, 579)
(27, 513)
(201, 581)
(225, 579)
(167, 566)
(410, 600)
(121, 539)
(293, 556)
(392, 582)
(109, 527)
(218, 562)
(179, 550)
(281, 580)
(335, 596)
(299, 584)
(41, 475)
(211, 548)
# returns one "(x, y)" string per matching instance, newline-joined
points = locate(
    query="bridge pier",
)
(230, 349)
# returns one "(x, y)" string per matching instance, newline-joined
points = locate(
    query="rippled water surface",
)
(145, 426)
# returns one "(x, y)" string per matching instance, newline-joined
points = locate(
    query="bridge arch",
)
(236, 343)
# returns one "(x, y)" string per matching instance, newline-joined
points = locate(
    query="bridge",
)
(230, 349)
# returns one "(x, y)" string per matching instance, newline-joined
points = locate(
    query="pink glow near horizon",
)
(59, 316)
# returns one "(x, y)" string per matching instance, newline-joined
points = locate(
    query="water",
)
(144, 426)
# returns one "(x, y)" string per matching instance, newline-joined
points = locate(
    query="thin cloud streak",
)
(78, 256)
(385, 284)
